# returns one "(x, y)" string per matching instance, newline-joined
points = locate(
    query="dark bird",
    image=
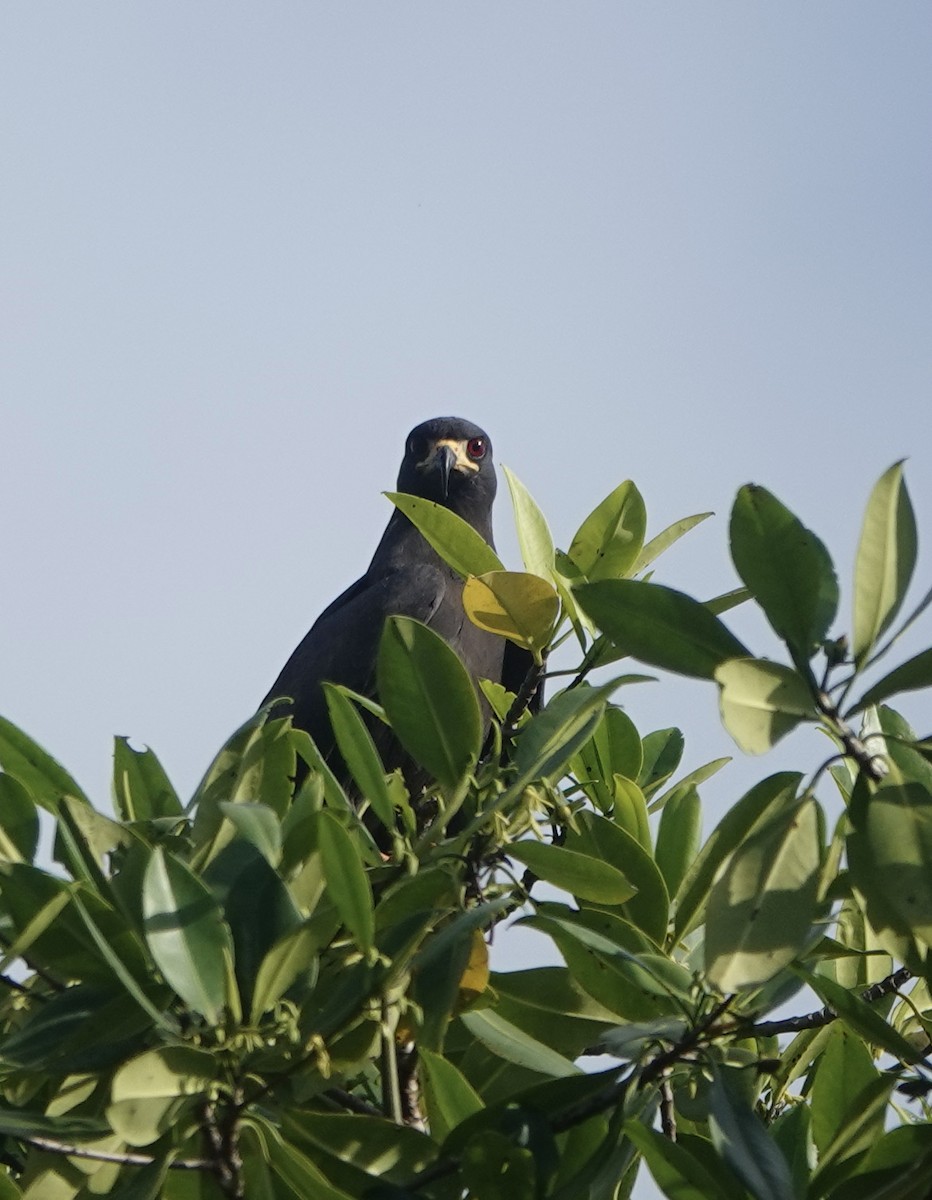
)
(447, 460)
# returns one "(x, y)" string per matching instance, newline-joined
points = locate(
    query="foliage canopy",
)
(281, 990)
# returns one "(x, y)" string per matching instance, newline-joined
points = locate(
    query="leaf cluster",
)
(281, 988)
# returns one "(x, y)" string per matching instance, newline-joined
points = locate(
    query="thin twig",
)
(824, 1016)
(53, 1146)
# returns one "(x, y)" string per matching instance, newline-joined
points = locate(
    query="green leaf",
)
(665, 539)
(661, 751)
(677, 1173)
(258, 825)
(742, 1141)
(885, 561)
(509, 1043)
(910, 676)
(346, 879)
(145, 1090)
(660, 626)
(430, 700)
(762, 905)
(845, 1068)
(454, 539)
(42, 776)
(19, 821)
(758, 805)
(355, 744)
(186, 934)
(293, 954)
(514, 604)
(858, 1015)
(678, 836)
(787, 569)
(534, 536)
(607, 544)
(449, 1096)
(580, 874)
(649, 907)
(547, 743)
(141, 789)
(762, 701)
(728, 600)
(890, 855)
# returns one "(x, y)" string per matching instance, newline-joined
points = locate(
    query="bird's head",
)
(449, 460)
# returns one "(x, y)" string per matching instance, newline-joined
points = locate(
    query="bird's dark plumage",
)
(447, 460)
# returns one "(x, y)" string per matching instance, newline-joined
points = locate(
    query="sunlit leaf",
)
(665, 539)
(607, 544)
(513, 604)
(885, 560)
(43, 777)
(454, 539)
(531, 526)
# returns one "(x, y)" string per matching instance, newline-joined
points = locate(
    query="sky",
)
(246, 248)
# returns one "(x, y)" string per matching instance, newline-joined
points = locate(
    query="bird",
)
(447, 460)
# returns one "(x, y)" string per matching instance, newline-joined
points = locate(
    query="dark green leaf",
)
(186, 934)
(660, 626)
(141, 789)
(509, 1043)
(430, 700)
(355, 744)
(42, 776)
(678, 836)
(741, 1139)
(449, 1096)
(786, 567)
(19, 821)
(910, 676)
(547, 742)
(346, 879)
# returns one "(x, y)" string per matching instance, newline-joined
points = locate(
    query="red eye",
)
(475, 447)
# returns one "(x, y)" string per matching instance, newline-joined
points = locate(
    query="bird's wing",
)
(342, 644)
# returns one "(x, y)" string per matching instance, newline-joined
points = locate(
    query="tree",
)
(275, 992)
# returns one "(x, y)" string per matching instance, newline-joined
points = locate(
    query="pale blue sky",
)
(245, 248)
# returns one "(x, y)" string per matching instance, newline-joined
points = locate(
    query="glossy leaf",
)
(186, 934)
(454, 539)
(787, 569)
(534, 536)
(516, 605)
(660, 626)
(763, 904)
(347, 882)
(607, 544)
(430, 700)
(580, 874)
(885, 560)
(762, 701)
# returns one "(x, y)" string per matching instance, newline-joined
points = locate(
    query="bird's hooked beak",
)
(445, 457)
(446, 461)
